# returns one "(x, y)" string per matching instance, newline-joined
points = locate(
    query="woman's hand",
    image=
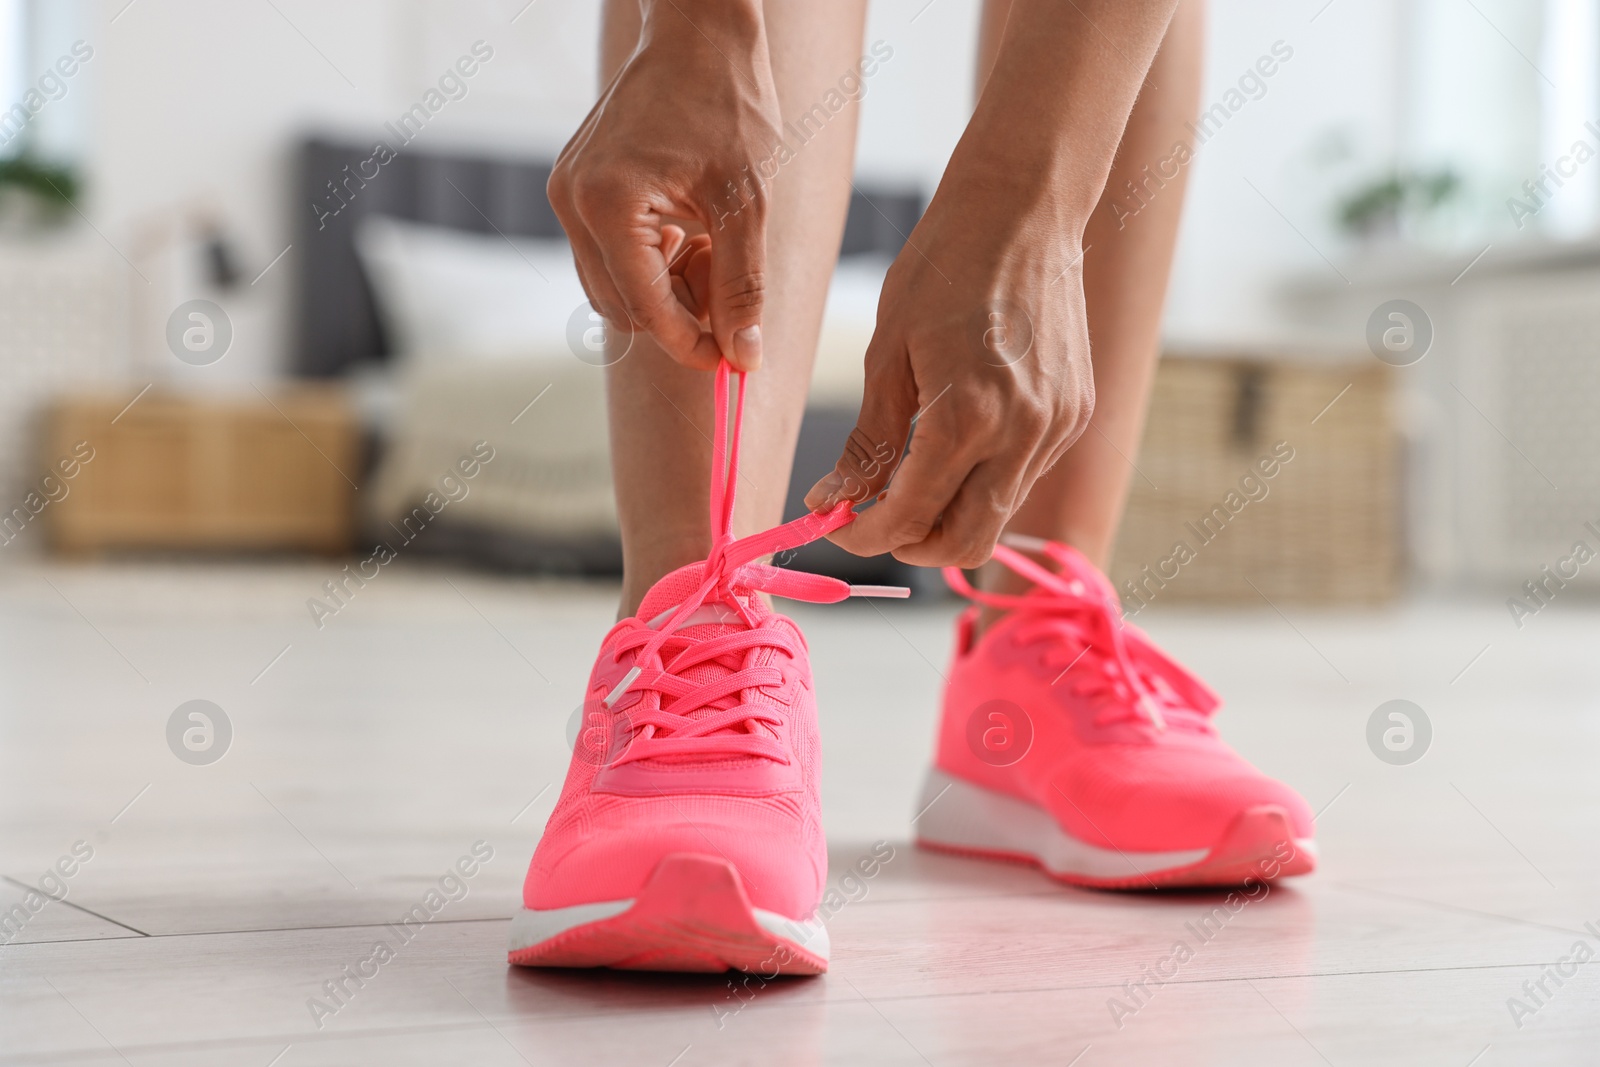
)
(683, 139)
(983, 340)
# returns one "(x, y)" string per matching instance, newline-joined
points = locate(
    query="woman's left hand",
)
(981, 338)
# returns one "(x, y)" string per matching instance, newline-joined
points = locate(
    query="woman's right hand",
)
(684, 139)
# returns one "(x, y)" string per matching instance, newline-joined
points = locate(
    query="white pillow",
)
(449, 295)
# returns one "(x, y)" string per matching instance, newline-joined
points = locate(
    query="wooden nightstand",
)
(255, 472)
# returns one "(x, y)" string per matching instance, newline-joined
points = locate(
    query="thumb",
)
(875, 448)
(739, 282)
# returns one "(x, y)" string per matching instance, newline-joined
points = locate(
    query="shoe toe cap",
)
(1169, 804)
(780, 869)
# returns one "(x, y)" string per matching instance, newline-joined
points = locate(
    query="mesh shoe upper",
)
(738, 777)
(699, 731)
(1120, 746)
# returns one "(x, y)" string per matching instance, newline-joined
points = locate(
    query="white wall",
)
(198, 103)
(918, 103)
(1327, 115)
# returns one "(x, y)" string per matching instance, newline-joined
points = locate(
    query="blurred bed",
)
(441, 286)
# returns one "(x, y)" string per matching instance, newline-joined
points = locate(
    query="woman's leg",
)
(1126, 264)
(660, 412)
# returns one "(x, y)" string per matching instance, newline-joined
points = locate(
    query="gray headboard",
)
(339, 182)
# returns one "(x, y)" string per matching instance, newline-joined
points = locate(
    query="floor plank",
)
(431, 714)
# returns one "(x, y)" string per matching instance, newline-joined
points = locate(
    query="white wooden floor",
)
(429, 714)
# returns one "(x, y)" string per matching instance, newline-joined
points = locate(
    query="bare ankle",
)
(643, 569)
(994, 578)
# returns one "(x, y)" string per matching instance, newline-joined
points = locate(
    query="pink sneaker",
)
(688, 835)
(1070, 741)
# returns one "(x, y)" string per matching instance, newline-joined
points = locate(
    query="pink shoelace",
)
(1083, 619)
(732, 576)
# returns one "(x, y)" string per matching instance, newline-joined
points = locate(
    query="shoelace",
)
(1060, 605)
(732, 575)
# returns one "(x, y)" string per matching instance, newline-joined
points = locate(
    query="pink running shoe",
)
(1070, 741)
(688, 835)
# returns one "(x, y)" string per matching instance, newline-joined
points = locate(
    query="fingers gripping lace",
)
(732, 575)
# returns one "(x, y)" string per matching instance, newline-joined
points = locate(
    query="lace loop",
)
(732, 575)
(1059, 594)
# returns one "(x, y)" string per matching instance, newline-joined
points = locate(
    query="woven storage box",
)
(181, 472)
(1248, 477)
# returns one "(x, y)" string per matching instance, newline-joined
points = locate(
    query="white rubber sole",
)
(958, 816)
(530, 927)
(692, 914)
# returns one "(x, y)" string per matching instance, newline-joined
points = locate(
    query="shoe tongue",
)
(1180, 691)
(715, 617)
(1098, 606)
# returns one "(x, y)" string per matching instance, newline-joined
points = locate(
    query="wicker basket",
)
(1263, 478)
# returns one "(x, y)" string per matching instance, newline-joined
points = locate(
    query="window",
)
(13, 68)
(1500, 91)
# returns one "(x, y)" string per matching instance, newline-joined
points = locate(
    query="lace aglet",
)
(1154, 712)
(620, 688)
(899, 591)
(1026, 542)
